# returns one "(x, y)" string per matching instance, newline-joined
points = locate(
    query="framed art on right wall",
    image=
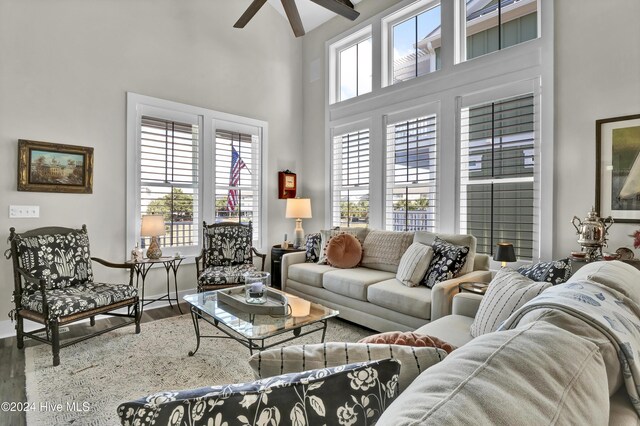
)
(618, 168)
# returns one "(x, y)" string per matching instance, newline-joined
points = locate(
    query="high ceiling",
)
(311, 14)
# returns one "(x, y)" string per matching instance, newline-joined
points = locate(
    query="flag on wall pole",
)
(234, 178)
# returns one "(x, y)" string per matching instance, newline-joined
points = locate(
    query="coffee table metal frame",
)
(253, 343)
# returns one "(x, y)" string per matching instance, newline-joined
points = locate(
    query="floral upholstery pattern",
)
(63, 260)
(218, 275)
(78, 298)
(229, 245)
(307, 398)
(448, 259)
(312, 246)
(554, 272)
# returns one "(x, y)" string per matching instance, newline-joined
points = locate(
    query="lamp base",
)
(298, 233)
(154, 252)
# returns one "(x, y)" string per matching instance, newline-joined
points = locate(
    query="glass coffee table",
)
(253, 330)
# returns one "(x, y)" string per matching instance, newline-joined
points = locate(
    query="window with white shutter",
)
(350, 179)
(411, 175)
(497, 174)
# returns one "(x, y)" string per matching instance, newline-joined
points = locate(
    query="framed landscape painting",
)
(49, 167)
(618, 168)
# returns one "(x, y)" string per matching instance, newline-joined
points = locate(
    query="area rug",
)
(95, 376)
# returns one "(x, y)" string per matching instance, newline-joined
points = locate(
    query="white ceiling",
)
(311, 14)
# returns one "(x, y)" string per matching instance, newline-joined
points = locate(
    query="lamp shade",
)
(298, 208)
(152, 226)
(505, 253)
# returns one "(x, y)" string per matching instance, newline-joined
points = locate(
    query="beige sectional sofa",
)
(372, 296)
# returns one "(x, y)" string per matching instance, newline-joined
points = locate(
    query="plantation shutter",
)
(169, 178)
(497, 174)
(237, 178)
(411, 175)
(350, 179)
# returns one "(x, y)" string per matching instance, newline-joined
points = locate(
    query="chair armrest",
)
(40, 282)
(442, 293)
(260, 255)
(112, 264)
(200, 263)
(288, 260)
(466, 304)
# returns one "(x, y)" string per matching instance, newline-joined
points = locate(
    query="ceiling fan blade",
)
(294, 17)
(253, 8)
(341, 7)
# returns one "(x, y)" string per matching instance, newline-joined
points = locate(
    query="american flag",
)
(236, 165)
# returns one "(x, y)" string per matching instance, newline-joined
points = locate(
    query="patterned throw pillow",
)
(554, 272)
(447, 261)
(312, 245)
(384, 249)
(230, 245)
(310, 397)
(508, 291)
(414, 264)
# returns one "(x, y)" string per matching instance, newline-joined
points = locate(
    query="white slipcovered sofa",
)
(372, 296)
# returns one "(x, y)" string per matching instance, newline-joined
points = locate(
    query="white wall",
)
(65, 68)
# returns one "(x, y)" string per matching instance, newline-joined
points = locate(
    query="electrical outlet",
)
(16, 212)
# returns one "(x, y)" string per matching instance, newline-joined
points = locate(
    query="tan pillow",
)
(384, 249)
(408, 338)
(344, 251)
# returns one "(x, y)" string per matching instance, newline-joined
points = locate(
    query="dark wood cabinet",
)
(276, 263)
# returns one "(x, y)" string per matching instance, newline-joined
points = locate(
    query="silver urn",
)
(592, 233)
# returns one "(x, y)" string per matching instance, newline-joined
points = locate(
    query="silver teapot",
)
(592, 233)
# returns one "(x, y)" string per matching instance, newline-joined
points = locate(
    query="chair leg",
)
(55, 342)
(137, 316)
(20, 331)
(92, 321)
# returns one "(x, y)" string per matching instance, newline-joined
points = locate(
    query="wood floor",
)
(12, 378)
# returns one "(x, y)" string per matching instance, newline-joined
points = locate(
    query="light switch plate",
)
(16, 212)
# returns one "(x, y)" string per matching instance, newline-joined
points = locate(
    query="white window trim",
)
(138, 105)
(334, 59)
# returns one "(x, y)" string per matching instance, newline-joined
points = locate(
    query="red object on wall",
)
(286, 184)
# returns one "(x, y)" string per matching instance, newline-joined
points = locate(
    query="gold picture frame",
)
(51, 167)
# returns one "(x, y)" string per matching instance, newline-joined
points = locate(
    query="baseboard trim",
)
(8, 328)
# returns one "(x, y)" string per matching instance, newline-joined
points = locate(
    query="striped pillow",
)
(296, 358)
(508, 291)
(414, 264)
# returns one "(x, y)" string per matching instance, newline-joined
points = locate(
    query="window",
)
(411, 175)
(350, 181)
(352, 66)
(497, 174)
(191, 172)
(495, 24)
(414, 41)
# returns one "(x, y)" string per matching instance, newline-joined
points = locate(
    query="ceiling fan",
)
(341, 7)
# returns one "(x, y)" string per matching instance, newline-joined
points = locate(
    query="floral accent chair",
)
(348, 395)
(54, 285)
(227, 254)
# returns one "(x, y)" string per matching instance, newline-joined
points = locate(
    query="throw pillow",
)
(414, 264)
(508, 291)
(303, 398)
(312, 245)
(448, 259)
(326, 234)
(344, 251)
(408, 338)
(384, 249)
(554, 272)
(414, 360)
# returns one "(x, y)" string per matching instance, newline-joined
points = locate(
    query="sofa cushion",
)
(408, 338)
(353, 283)
(78, 298)
(455, 329)
(384, 249)
(414, 264)
(507, 292)
(392, 294)
(554, 272)
(309, 273)
(294, 358)
(613, 274)
(465, 240)
(312, 246)
(326, 234)
(447, 261)
(366, 390)
(344, 251)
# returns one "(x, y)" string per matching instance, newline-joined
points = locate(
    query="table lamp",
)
(505, 253)
(153, 226)
(298, 208)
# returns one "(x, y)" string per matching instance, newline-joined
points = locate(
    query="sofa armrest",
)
(288, 260)
(442, 293)
(466, 304)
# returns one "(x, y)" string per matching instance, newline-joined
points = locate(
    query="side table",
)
(471, 287)
(276, 263)
(142, 267)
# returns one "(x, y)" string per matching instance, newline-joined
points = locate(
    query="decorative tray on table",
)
(276, 304)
